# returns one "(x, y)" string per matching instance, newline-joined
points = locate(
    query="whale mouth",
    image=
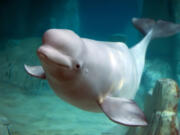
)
(45, 58)
(50, 55)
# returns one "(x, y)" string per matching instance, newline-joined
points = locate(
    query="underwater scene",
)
(89, 67)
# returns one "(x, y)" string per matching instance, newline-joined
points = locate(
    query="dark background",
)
(91, 18)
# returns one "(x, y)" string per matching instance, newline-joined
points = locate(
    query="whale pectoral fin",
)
(35, 71)
(123, 111)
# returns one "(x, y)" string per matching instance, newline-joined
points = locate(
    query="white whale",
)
(98, 76)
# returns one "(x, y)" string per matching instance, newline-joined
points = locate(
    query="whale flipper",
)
(123, 111)
(35, 71)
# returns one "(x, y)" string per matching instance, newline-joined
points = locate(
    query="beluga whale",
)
(98, 76)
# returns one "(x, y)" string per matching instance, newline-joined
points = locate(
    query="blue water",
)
(102, 18)
(28, 103)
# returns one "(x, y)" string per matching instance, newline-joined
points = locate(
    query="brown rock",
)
(160, 110)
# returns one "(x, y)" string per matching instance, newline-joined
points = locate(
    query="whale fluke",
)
(151, 29)
(160, 28)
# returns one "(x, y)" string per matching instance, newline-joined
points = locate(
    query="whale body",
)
(98, 76)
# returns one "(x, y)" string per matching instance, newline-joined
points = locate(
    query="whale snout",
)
(49, 55)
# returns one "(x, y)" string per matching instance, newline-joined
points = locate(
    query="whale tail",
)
(160, 28)
(151, 29)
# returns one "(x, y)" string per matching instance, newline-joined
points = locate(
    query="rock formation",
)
(160, 110)
(4, 126)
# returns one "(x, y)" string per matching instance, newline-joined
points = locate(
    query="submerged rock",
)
(4, 123)
(160, 110)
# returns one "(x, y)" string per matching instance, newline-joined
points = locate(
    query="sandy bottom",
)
(48, 115)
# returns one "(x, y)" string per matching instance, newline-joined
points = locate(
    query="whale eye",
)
(78, 66)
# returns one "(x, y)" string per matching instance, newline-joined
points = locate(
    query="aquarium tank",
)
(30, 106)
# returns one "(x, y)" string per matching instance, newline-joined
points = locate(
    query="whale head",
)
(60, 53)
